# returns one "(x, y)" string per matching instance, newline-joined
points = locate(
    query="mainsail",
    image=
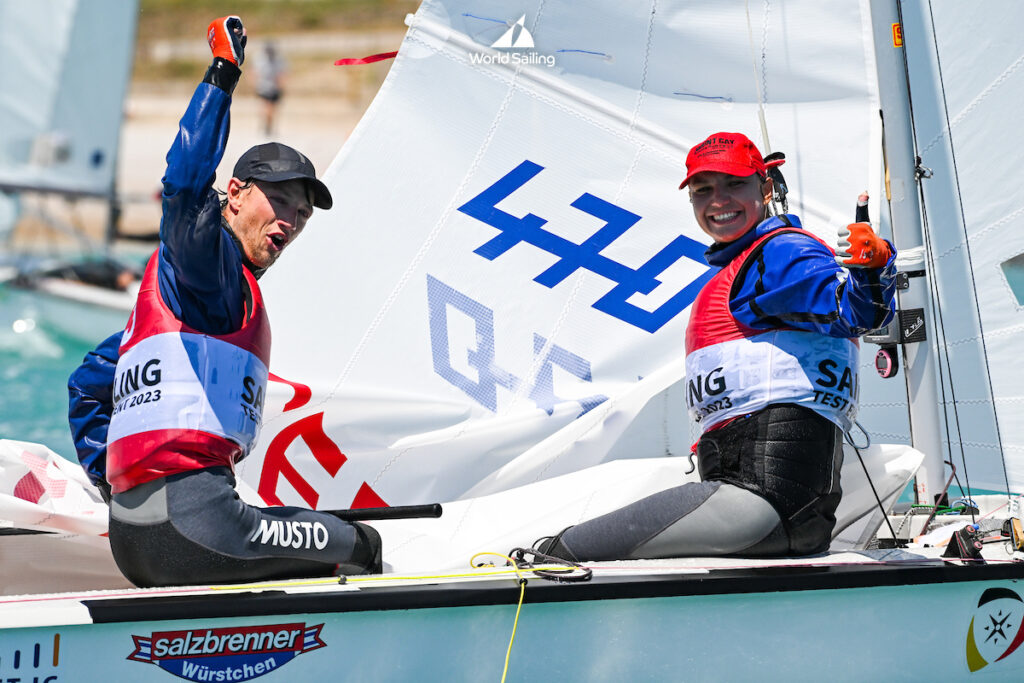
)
(500, 294)
(964, 97)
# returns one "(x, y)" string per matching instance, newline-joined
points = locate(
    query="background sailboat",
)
(62, 92)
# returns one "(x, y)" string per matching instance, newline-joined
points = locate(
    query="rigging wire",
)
(935, 508)
(761, 86)
(942, 345)
(944, 368)
(867, 475)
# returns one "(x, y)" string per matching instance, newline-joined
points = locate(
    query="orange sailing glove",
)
(860, 247)
(227, 39)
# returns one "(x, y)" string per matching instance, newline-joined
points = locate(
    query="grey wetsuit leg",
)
(699, 518)
(192, 528)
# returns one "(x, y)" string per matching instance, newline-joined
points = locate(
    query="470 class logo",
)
(997, 628)
(226, 654)
(571, 257)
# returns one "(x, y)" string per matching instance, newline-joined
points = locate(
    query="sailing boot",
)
(554, 547)
(366, 555)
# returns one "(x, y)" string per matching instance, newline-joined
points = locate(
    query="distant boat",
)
(85, 299)
(66, 71)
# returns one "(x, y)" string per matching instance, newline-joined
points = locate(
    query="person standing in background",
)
(270, 71)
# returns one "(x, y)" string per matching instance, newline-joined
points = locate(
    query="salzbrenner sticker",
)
(226, 654)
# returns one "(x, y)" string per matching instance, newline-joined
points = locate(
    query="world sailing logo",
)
(515, 37)
(997, 628)
(226, 654)
(515, 46)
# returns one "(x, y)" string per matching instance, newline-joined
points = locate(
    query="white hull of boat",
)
(81, 311)
(653, 620)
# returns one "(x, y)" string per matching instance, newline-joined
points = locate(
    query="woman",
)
(771, 360)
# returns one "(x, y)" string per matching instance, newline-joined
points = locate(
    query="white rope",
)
(766, 143)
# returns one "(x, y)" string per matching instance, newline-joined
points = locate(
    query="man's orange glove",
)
(860, 247)
(226, 37)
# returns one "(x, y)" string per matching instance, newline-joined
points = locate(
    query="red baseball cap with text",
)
(731, 153)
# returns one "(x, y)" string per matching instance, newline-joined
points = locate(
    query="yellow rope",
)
(411, 577)
(333, 581)
(515, 624)
(354, 579)
(519, 606)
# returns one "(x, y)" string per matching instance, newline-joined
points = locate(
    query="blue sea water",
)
(35, 362)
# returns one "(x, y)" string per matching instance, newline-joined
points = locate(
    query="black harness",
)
(789, 455)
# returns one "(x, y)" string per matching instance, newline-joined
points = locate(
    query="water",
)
(35, 362)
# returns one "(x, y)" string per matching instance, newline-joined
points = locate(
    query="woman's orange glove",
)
(860, 247)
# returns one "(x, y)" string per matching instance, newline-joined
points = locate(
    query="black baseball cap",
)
(274, 162)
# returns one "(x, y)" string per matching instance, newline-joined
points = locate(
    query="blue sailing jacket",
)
(796, 282)
(200, 267)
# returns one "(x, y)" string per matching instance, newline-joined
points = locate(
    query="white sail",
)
(500, 295)
(967, 81)
(65, 70)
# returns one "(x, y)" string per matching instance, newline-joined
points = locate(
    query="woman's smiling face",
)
(728, 206)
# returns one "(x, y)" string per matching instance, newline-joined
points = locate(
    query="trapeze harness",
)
(772, 405)
(187, 407)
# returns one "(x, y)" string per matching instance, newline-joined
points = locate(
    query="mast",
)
(919, 359)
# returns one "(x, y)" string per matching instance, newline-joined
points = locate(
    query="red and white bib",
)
(184, 400)
(733, 370)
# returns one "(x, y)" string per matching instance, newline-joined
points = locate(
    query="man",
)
(771, 370)
(161, 412)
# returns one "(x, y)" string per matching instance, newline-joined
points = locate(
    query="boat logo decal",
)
(572, 257)
(226, 654)
(997, 628)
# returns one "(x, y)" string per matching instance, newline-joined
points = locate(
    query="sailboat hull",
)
(80, 311)
(666, 620)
